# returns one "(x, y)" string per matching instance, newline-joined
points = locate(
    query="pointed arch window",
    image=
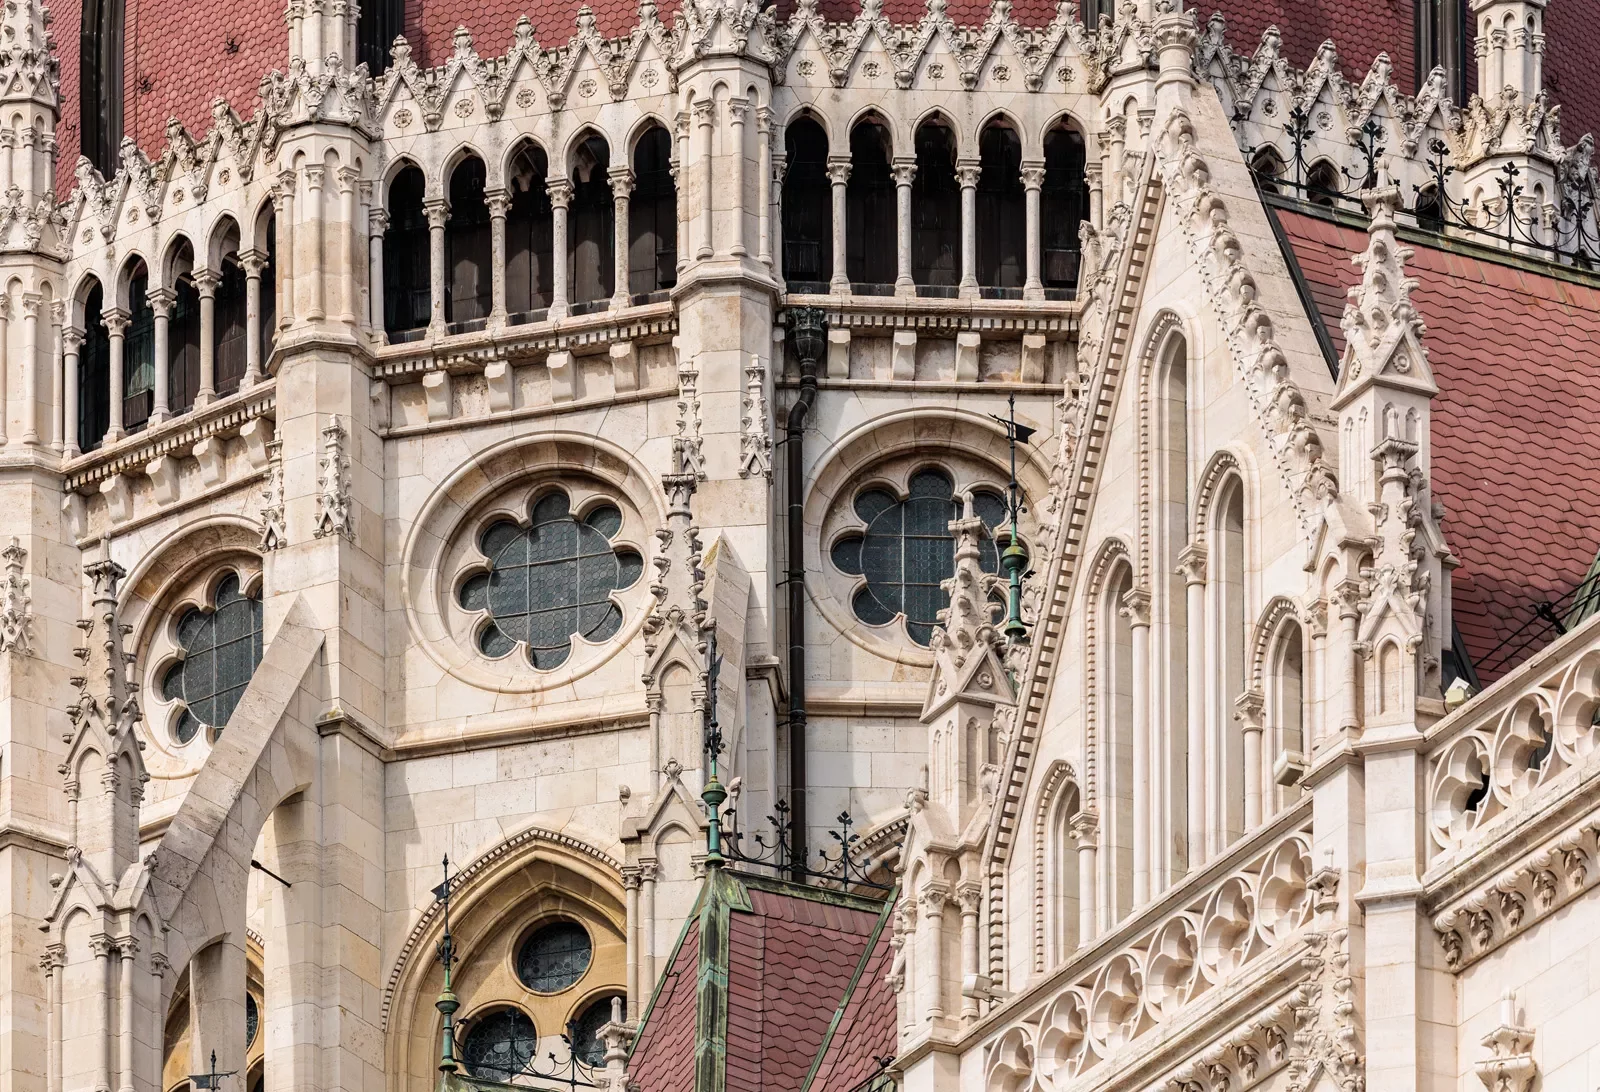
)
(469, 287)
(652, 216)
(529, 227)
(100, 83)
(380, 23)
(1063, 206)
(871, 250)
(94, 373)
(807, 208)
(139, 354)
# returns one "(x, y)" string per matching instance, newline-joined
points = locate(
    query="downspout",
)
(806, 327)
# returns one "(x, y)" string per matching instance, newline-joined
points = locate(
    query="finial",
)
(1014, 558)
(714, 794)
(447, 1003)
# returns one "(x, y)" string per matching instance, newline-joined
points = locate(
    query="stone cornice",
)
(134, 453)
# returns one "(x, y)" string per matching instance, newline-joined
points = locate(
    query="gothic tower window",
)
(100, 83)
(407, 297)
(540, 584)
(183, 335)
(935, 208)
(1441, 31)
(528, 235)
(1001, 209)
(138, 353)
(1063, 206)
(229, 330)
(1116, 702)
(469, 261)
(870, 247)
(591, 266)
(1172, 467)
(94, 373)
(380, 23)
(807, 208)
(220, 650)
(1228, 639)
(652, 215)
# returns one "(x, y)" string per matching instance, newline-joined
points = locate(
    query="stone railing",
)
(1522, 743)
(1200, 937)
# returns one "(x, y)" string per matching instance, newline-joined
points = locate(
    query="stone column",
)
(437, 212)
(905, 170)
(127, 951)
(630, 887)
(839, 177)
(647, 946)
(104, 950)
(283, 198)
(58, 318)
(705, 118)
(116, 322)
(348, 271)
(254, 263)
(205, 283)
(1348, 599)
(377, 224)
(780, 163)
(1247, 710)
(680, 156)
(621, 179)
(319, 250)
(1086, 835)
(52, 962)
(1032, 184)
(970, 897)
(764, 185)
(71, 342)
(30, 367)
(498, 204)
(560, 190)
(1136, 608)
(1192, 567)
(161, 302)
(5, 367)
(967, 172)
(932, 915)
(738, 109)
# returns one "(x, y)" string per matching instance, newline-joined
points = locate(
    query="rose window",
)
(547, 581)
(902, 549)
(221, 648)
(499, 1045)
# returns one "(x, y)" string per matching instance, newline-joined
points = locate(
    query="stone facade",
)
(380, 471)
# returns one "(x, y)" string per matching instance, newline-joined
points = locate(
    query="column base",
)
(1033, 292)
(905, 290)
(839, 288)
(204, 397)
(157, 416)
(969, 292)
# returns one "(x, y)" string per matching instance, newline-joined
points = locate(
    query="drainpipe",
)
(806, 327)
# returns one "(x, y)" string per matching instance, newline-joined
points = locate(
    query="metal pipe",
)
(806, 327)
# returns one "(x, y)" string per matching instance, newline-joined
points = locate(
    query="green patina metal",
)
(724, 893)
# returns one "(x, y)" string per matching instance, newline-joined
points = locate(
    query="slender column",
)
(319, 256)
(1349, 602)
(933, 900)
(8, 156)
(116, 321)
(71, 342)
(377, 224)
(1136, 607)
(560, 191)
(680, 156)
(905, 171)
(54, 958)
(647, 947)
(967, 172)
(1032, 184)
(498, 204)
(254, 263)
(161, 302)
(1092, 175)
(1247, 711)
(205, 283)
(839, 177)
(438, 212)
(1086, 834)
(630, 887)
(348, 270)
(1316, 725)
(969, 896)
(127, 949)
(30, 143)
(621, 188)
(764, 185)
(283, 198)
(1192, 567)
(705, 116)
(5, 367)
(30, 367)
(738, 110)
(361, 255)
(58, 361)
(780, 163)
(104, 951)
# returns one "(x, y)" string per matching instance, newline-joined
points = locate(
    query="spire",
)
(29, 71)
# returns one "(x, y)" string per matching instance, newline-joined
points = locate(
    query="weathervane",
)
(714, 794)
(1013, 559)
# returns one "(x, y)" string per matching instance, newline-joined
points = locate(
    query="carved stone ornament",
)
(334, 516)
(274, 534)
(16, 606)
(1510, 1066)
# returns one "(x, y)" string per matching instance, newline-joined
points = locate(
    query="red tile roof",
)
(663, 1057)
(1516, 443)
(1571, 43)
(1359, 29)
(866, 1029)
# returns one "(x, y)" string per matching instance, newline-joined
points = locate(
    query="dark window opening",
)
(591, 259)
(935, 209)
(183, 346)
(1268, 167)
(1097, 11)
(1063, 206)
(468, 246)
(230, 325)
(138, 354)
(807, 207)
(1428, 209)
(407, 300)
(381, 22)
(1441, 33)
(871, 252)
(528, 234)
(221, 651)
(652, 216)
(584, 1032)
(100, 84)
(1322, 184)
(499, 1045)
(1002, 211)
(269, 294)
(94, 374)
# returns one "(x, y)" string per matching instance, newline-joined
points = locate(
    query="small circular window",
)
(585, 1032)
(554, 957)
(499, 1045)
(221, 649)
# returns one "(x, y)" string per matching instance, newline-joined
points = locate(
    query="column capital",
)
(58, 312)
(436, 211)
(621, 179)
(347, 178)
(377, 221)
(1248, 709)
(1192, 563)
(933, 898)
(904, 170)
(127, 947)
(1316, 618)
(967, 171)
(71, 339)
(560, 191)
(838, 170)
(366, 192)
(30, 304)
(1032, 174)
(497, 199)
(161, 301)
(314, 177)
(1136, 605)
(206, 283)
(116, 321)
(1085, 828)
(254, 262)
(738, 110)
(969, 894)
(704, 112)
(631, 877)
(764, 118)
(647, 871)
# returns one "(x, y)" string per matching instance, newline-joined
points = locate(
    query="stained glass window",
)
(907, 549)
(585, 1033)
(554, 957)
(252, 1019)
(221, 649)
(550, 580)
(499, 1045)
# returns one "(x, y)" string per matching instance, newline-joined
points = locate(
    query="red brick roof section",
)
(866, 1031)
(790, 964)
(1571, 43)
(1516, 448)
(1359, 29)
(431, 24)
(663, 1058)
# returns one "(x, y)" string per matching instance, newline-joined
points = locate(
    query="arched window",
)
(807, 208)
(138, 353)
(1322, 184)
(871, 252)
(380, 23)
(1172, 469)
(499, 1045)
(1063, 206)
(1002, 213)
(221, 650)
(468, 248)
(1061, 876)
(1228, 638)
(183, 335)
(528, 236)
(1429, 210)
(1285, 718)
(652, 216)
(584, 1032)
(592, 266)
(230, 325)
(1268, 167)
(936, 209)
(94, 373)
(269, 292)
(1116, 703)
(100, 83)
(407, 297)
